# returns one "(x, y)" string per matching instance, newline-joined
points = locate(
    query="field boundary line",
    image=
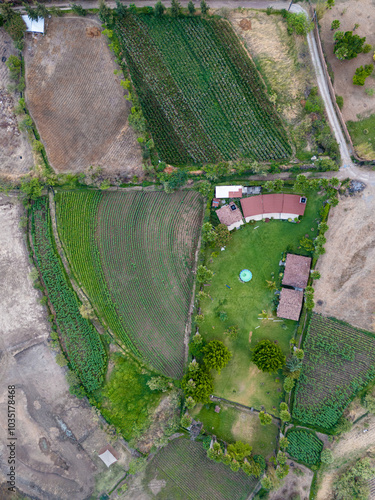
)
(241, 406)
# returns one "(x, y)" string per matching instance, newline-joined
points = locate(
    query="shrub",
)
(347, 45)
(268, 356)
(362, 73)
(335, 25)
(216, 355)
(289, 384)
(298, 23)
(367, 48)
(326, 457)
(340, 101)
(78, 9)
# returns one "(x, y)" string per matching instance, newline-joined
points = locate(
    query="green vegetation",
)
(178, 464)
(198, 89)
(354, 482)
(12, 23)
(362, 133)
(339, 361)
(347, 45)
(362, 73)
(79, 338)
(267, 356)
(216, 355)
(133, 254)
(259, 250)
(297, 23)
(304, 446)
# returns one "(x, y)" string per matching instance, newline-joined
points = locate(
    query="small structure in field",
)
(33, 26)
(228, 191)
(273, 206)
(215, 202)
(246, 275)
(290, 304)
(230, 215)
(297, 271)
(108, 455)
(251, 190)
(217, 409)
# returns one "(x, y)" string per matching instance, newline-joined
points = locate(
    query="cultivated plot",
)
(77, 102)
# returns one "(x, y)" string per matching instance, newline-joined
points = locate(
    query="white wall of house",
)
(275, 215)
(236, 225)
(288, 216)
(254, 217)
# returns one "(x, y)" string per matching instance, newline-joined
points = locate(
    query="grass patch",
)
(259, 248)
(363, 136)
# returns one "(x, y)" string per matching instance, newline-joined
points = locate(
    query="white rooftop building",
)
(34, 26)
(228, 191)
(107, 455)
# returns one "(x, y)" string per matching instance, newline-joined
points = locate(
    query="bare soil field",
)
(58, 436)
(345, 289)
(77, 102)
(294, 486)
(15, 152)
(357, 104)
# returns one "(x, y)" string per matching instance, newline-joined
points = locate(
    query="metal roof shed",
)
(34, 26)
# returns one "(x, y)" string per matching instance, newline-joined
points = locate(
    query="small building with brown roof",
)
(297, 271)
(215, 202)
(290, 304)
(230, 215)
(228, 191)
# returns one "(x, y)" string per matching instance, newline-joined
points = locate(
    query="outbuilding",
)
(33, 26)
(230, 215)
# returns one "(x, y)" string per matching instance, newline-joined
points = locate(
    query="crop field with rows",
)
(80, 339)
(199, 90)
(133, 253)
(339, 361)
(189, 474)
(304, 446)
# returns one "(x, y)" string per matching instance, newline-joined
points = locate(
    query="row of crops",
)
(339, 361)
(180, 461)
(133, 253)
(304, 446)
(200, 92)
(79, 338)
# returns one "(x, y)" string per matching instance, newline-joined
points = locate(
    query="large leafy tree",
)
(354, 482)
(198, 385)
(347, 45)
(222, 235)
(268, 356)
(239, 451)
(216, 355)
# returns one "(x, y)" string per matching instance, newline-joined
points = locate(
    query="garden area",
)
(251, 306)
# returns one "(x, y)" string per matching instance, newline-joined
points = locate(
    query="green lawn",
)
(257, 247)
(363, 136)
(234, 425)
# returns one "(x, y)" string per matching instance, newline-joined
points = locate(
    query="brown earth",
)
(357, 104)
(294, 485)
(77, 102)
(348, 266)
(58, 436)
(15, 152)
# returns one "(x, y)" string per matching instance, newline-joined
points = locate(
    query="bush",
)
(78, 9)
(340, 101)
(268, 356)
(326, 457)
(362, 73)
(353, 483)
(288, 384)
(367, 48)
(298, 23)
(335, 25)
(347, 45)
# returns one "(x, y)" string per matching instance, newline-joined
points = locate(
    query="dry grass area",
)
(58, 436)
(295, 486)
(357, 104)
(345, 289)
(77, 102)
(15, 152)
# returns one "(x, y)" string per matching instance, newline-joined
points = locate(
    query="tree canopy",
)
(268, 356)
(353, 483)
(222, 235)
(347, 45)
(198, 385)
(216, 355)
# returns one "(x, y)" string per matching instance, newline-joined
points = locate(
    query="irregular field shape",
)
(181, 460)
(133, 253)
(304, 446)
(76, 100)
(198, 86)
(339, 360)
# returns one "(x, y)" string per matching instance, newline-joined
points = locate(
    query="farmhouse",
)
(230, 215)
(276, 206)
(228, 191)
(33, 26)
(297, 271)
(290, 304)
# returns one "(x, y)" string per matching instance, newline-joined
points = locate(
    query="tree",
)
(204, 274)
(239, 451)
(269, 186)
(288, 384)
(307, 244)
(175, 8)
(282, 471)
(298, 23)
(185, 420)
(299, 353)
(191, 8)
(285, 416)
(353, 483)
(369, 403)
(235, 466)
(362, 73)
(301, 182)
(198, 385)
(283, 442)
(204, 7)
(208, 233)
(86, 311)
(265, 418)
(32, 188)
(293, 364)
(347, 45)
(326, 457)
(283, 406)
(137, 465)
(367, 48)
(205, 188)
(315, 275)
(215, 452)
(193, 366)
(216, 355)
(279, 184)
(61, 359)
(271, 285)
(31, 12)
(266, 483)
(335, 25)
(222, 235)
(330, 3)
(12, 21)
(159, 9)
(281, 458)
(268, 356)
(190, 403)
(158, 384)
(78, 9)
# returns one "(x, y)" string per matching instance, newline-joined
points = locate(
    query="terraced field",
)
(200, 93)
(133, 253)
(339, 361)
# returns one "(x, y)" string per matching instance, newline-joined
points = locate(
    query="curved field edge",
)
(339, 361)
(80, 340)
(133, 253)
(203, 90)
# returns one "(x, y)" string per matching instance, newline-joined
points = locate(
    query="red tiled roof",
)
(290, 304)
(228, 216)
(235, 194)
(252, 206)
(292, 205)
(272, 203)
(297, 270)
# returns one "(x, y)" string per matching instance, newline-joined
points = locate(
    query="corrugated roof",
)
(34, 26)
(228, 191)
(290, 304)
(297, 270)
(228, 216)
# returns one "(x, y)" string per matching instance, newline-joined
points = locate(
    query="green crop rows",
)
(79, 338)
(304, 446)
(200, 92)
(196, 477)
(133, 253)
(339, 361)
